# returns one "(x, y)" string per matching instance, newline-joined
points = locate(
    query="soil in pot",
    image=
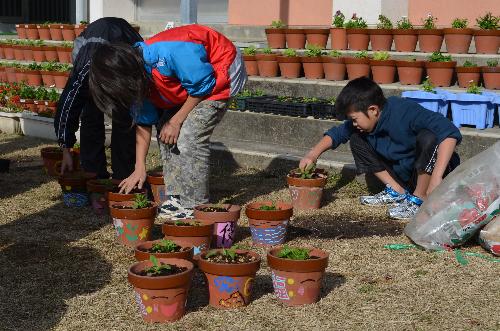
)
(268, 222)
(457, 40)
(267, 64)
(358, 39)
(357, 67)
(487, 41)
(97, 189)
(410, 72)
(161, 288)
(50, 156)
(163, 248)
(338, 38)
(276, 38)
(405, 40)
(318, 37)
(157, 183)
(251, 65)
(306, 187)
(383, 72)
(230, 274)
(197, 233)
(491, 77)
(224, 219)
(334, 68)
(466, 75)
(381, 39)
(295, 38)
(430, 40)
(290, 67)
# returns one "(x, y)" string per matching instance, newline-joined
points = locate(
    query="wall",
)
(367, 9)
(394, 9)
(117, 8)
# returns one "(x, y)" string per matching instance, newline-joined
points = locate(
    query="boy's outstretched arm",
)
(444, 153)
(138, 177)
(324, 144)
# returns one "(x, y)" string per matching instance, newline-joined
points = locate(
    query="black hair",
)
(117, 78)
(358, 95)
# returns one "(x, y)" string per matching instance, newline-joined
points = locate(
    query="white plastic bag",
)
(466, 200)
(489, 237)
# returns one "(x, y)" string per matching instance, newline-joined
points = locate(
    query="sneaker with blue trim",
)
(386, 197)
(406, 209)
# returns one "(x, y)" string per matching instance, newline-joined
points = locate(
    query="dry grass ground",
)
(61, 269)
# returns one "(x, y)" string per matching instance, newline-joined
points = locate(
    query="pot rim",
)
(391, 63)
(302, 266)
(355, 60)
(155, 178)
(288, 59)
(311, 59)
(225, 269)
(275, 30)
(461, 69)
(161, 282)
(466, 31)
(183, 244)
(132, 214)
(232, 215)
(415, 64)
(449, 64)
(380, 31)
(480, 32)
(331, 59)
(203, 230)
(317, 31)
(294, 31)
(357, 31)
(266, 57)
(438, 32)
(490, 70)
(285, 213)
(405, 32)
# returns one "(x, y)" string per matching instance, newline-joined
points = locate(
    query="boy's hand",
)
(307, 161)
(67, 161)
(137, 178)
(170, 132)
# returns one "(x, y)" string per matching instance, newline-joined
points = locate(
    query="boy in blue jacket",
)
(407, 147)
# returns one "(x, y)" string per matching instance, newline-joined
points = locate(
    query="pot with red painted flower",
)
(405, 36)
(410, 71)
(290, 64)
(133, 220)
(97, 189)
(161, 288)
(306, 187)
(383, 68)
(312, 62)
(317, 37)
(440, 69)
(297, 273)
(276, 35)
(157, 183)
(163, 249)
(250, 61)
(381, 37)
(50, 156)
(225, 219)
(467, 74)
(230, 274)
(197, 233)
(334, 66)
(357, 66)
(487, 38)
(268, 222)
(74, 188)
(267, 63)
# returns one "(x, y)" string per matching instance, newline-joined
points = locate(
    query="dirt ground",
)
(61, 268)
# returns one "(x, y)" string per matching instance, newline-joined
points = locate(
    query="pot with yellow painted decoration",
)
(74, 188)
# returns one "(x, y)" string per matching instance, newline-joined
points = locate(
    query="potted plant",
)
(43, 31)
(53, 98)
(33, 76)
(163, 249)
(467, 73)
(429, 98)
(46, 72)
(64, 52)
(28, 50)
(306, 187)
(337, 32)
(250, 61)
(267, 63)
(31, 31)
(74, 188)
(55, 31)
(410, 71)
(405, 36)
(115, 196)
(239, 101)
(10, 72)
(8, 51)
(268, 222)
(458, 37)
(230, 274)
(79, 28)
(18, 48)
(27, 95)
(157, 183)
(487, 38)
(61, 75)
(491, 75)
(295, 38)
(68, 32)
(41, 95)
(276, 35)
(50, 156)
(133, 220)
(224, 217)
(358, 66)
(440, 69)
(97, 189)
(198, 233)
(334, 66)
(383, 68)
(161, 288)
(313, 63)
(357, 33)
(472, 108)
(38, 51)
(21, 31)
(430, 38)
(317, 37)
(290, 64)
(381, 37)
(50, 53)
(297, 273)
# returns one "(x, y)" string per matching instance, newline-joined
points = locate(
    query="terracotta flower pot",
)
(3, 75)
(318, 37)
(307, 193)
(295, 38)
(60, 78)
(50, 53)
(2, 55)
(28, 104)
(230, 285)
(64, 54)
(21, 31)
(440, 73)
(56, 32)
(79, 28)
(21, 75)
(33, 77)
(383, 72)
(199, 236)
(467, 74)
(28, 53)
(358, 39)
(40, 105)
(31, 31)
(268, 227)
(132, 226)
(334, 68)
(297, 282)
(10, 72)
(225, 223)
(405, 40)
(290, 66)
(457, 40)
(52, 105)
(113, 196)
(97, 192)
(8, 52)
(430, 40)
(18, 52)
(74, 188)
(338, 38)
(39, 54)
(142, 253)
(276, 38)
(268, 65)
(68, 32)
(381, 39)
(313, 67)
(43, 32)
(251, 65)
(357, 67)
(487, 41)
(157, 183)
(410, 72)
(47, 78)
(162, 298)
(50, 156)
(491, 77)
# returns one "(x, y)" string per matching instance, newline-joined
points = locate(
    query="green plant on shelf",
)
(248, 93)
(34, 66)
(473, 88)
(278, 24)
(313, 51)
(356, 23)
(384, 22)
(249, 51)
(492, 63)
(488, 21)
(39, 43)
(67, 44)
(381, 56)
(290, 52)
(439, 57)
(361, 55)
(459, 23)
(27, 92)
(430, 22)
(62, 67)
(404, 24)
(310, 100)
(53, 95)
(427, 85)
(84, 22)
(469, 64)
(331, 101)
(267, 50)
(334, 53)
(338, 19)
(41, 93)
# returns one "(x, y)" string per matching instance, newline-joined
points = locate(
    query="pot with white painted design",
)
(197, 233)
(306, 187)
(297, 274)
(268, 222)
(161, 288)
(225, 220)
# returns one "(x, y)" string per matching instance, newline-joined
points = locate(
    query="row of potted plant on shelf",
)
(21, 97)
(39, 51)
(47, 74)
(50, 31)
(355, 35)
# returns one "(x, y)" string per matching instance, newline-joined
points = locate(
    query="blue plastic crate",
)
(435, 102)
(472, 109)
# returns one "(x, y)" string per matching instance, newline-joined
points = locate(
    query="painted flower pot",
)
(43, 32)
(8, 52)
(230, 285)
(199, 236)
(276, 38)
(457, 40)
(39, 54)
(487, 41)
(383, 72)
(405, 40)
(251, 65)
(157, 183)
(430, 40)
(357, 67)
(472, 109)
(50, 156)
(410, 72)
(297, 282)
(466, 75)
(60, 78)
(307, 193)
(295, 38)
(381, 39)
(268, 65)
(440, 73)
(114, 196)
(21, 31)
(132, 226)
(268, 227)
(79, 28)
(28, 53)
(74, 188)
(318, 37)
(358, 39)
(47, 78)
(313, 67)
(50, 53)
(31, 31)
(491, 77)
(334, 68)
(225, 223)
(435, 102)
(56, 32)
(64, 54)
(290, 66)
(68, 32)
(162, 298)
(338, 38)
(97, 189)
(142, 252)
(33, 77)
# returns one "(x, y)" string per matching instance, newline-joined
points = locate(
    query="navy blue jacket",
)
(395, 134)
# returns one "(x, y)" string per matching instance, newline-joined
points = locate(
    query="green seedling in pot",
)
(488, 21)
(310, 100)
(277, 24)
(427, 85)
(308, 171)
(290, 52)
(469, 64)
(141, 201)
(165, 246)
(404, 24)
(338, 19)
(214, 208)
(384, 22)
(294, 253)
(439, 57)
(41, 93)
(250, 50)
(313, 51)
(267, 50)
(228, 253)
(492, 63)
(157, 268)
(272, 207)
(381, 56)
(361, 55)
(181, 223)
(473, 88)
(53, 95)
(356, 23)
(334, 53)
(459, 23)
(430, 22)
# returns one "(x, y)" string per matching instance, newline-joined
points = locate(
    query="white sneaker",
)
(185, 213)
(170, 207)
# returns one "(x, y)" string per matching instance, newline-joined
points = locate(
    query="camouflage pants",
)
(186, 170)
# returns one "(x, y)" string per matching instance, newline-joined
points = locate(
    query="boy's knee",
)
(356, 140)
(426, 139)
